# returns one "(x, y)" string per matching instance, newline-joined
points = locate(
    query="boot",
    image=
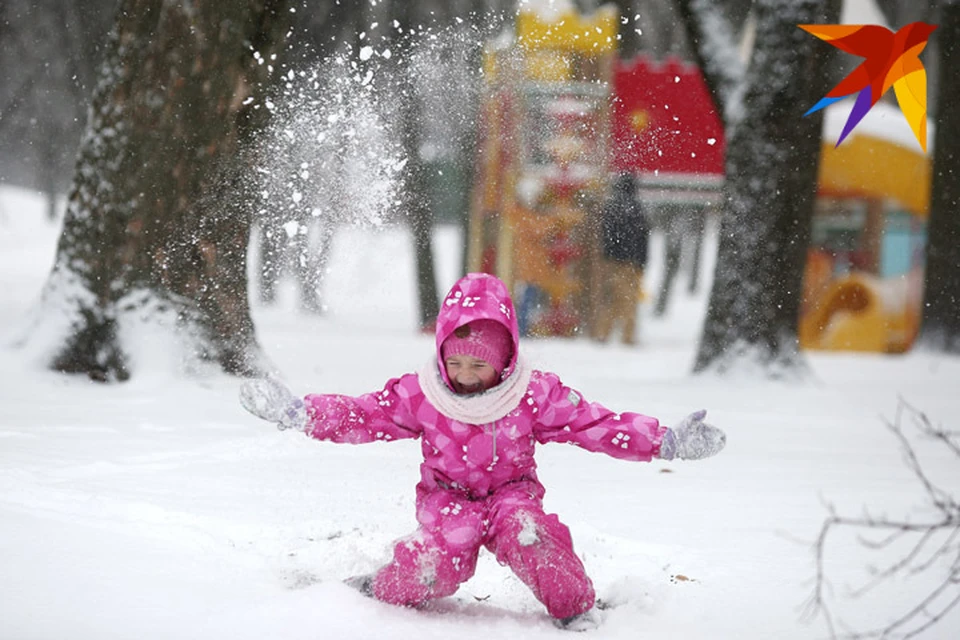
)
(585, 621)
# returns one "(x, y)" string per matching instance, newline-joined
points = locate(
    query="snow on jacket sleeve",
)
(387, 414)
(563, 415)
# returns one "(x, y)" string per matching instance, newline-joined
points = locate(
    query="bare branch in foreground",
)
(935, 543)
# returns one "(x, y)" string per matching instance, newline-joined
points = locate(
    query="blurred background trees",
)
(50, 55)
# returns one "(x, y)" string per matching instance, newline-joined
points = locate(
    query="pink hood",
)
(477, 296)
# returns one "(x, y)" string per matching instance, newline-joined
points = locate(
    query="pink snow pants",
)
(511, 523)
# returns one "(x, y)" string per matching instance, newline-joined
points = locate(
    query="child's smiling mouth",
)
(468, 389)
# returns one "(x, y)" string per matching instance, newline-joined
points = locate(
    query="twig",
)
(925, 613)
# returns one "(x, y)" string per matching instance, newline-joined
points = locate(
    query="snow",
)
(725, 56)
(861, 12)
(160, 509)
(547, 9)
(883, 121)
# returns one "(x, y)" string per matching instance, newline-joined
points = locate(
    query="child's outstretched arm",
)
(565, 416)
(382, 415)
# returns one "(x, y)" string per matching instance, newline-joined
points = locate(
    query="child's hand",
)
(692, 439)
(270, 399)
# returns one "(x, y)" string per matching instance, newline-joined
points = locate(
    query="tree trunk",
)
(149, 229)
(899, 13)
(416, 193)
(630, 38)
(416, 198)
(771, 172)
(940, 323)
(467, 151)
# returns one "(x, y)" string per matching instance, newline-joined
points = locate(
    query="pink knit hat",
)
(485, 339)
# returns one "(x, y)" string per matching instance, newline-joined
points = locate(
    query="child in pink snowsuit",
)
(479, 411)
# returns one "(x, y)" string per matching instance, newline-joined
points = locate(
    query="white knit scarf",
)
(480, 408)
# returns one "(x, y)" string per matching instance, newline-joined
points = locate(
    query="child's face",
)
(470, 375)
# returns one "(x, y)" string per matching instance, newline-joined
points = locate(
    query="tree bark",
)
(940, 322)
(153, 224)
(771, 172)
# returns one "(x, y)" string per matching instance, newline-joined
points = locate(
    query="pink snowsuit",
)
(478, 482)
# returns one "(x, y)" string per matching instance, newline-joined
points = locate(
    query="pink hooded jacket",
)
(478, 444)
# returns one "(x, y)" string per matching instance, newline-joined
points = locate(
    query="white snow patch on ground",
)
(160, 509)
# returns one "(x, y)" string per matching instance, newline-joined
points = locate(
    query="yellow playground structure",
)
(863, 283)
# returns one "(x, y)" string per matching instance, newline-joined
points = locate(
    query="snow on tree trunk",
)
(771, 172)
(713, 33)
(941, 318)
(149, 229)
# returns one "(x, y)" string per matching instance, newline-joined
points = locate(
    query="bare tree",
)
(771, 171)
(930, 546)
(416, 201)
(312, 171)
(153, 225)
(940, 322)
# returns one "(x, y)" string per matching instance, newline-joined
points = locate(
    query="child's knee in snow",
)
(529, 534)
(427, 569)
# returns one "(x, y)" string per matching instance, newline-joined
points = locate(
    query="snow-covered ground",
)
(160, 509)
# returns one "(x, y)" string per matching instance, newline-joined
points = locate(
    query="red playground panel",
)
(664, 120)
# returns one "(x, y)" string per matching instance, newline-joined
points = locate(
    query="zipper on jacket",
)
(493, 427)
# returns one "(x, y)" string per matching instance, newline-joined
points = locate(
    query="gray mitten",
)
(692, 439)
(269, 399)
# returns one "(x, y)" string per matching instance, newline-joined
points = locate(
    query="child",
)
(479, 410)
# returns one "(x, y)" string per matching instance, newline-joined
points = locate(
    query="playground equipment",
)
(864, 275)
(543, 165)
(667, 131)
(560, 114)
